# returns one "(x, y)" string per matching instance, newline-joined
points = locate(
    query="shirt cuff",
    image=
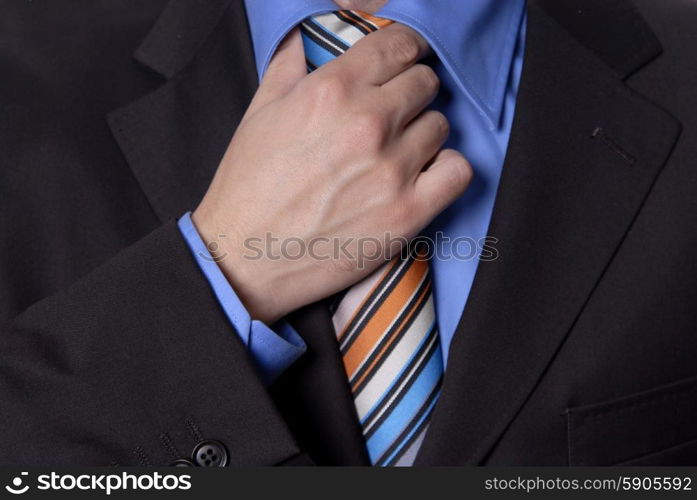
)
(274, 349)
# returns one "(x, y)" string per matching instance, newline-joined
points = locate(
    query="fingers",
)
(382, 55)
(375, 59)
(286, 69)
(421, 141)
(442, 183)
(406, 95)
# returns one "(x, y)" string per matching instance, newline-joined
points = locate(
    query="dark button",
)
(182, 462)
(210, 453)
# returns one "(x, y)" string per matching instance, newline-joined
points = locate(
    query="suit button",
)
(182, 462)
(210, 453)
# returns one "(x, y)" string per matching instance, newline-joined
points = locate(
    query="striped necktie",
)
(386, 324)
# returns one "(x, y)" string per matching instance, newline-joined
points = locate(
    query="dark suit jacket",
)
(578, 345)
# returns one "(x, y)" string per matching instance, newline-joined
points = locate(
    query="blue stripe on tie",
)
(407, 365)
(402, 414)
(415, 428)
(316, 54)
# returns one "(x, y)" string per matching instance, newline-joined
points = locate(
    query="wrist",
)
(259, 286)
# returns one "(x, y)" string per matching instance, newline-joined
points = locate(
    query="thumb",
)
(286, 69)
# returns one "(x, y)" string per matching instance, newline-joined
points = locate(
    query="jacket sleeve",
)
(135, 364)
(272, 348)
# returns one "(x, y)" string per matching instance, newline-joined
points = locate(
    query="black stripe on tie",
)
(374, 302)
(358, 19)
(342, 16)
(368, 301)
(398, 330)
(432, 351)
(328, 35)
(405, 446)
(319, 41)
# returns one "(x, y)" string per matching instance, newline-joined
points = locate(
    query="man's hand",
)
(345, 152)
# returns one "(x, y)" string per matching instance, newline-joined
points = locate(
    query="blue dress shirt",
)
(480, 46)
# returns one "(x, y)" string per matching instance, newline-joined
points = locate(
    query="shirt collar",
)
(477, 50)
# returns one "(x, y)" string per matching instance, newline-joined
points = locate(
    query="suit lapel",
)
(584, 152)
(174, 138)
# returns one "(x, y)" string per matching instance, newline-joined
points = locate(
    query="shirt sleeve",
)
(273, 349)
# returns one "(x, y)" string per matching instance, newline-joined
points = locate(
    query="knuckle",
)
(372, 49)
(330, 88)
(370, 127)
(403, 47)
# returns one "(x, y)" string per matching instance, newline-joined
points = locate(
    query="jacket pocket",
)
(654, 427)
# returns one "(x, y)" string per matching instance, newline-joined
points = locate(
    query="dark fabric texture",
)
(577, 345)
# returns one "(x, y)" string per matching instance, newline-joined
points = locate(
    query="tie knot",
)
(327, 36)
(363, 21)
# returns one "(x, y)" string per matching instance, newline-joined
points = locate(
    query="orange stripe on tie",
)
(423, 296)
(377, 21)
(378, 284)
(384, 316)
